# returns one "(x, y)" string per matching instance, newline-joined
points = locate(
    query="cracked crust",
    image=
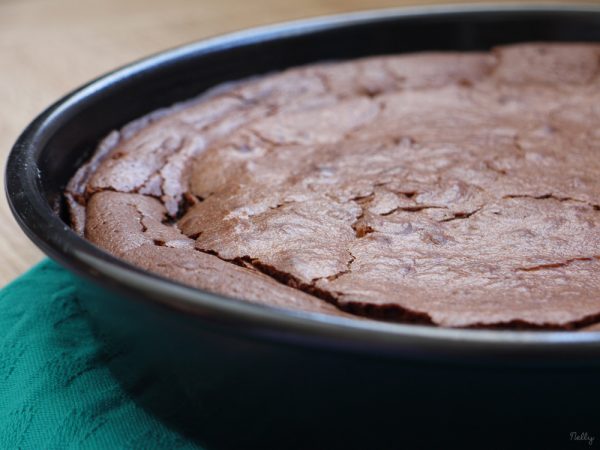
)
(454, 189)
(134, 227)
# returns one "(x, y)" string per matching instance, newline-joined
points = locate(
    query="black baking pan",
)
(240, 375)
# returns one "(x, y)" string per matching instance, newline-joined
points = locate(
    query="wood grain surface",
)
(49, 47)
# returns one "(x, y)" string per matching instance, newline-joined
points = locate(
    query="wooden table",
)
(48, 48)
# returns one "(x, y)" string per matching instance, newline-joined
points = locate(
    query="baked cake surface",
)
(452, 189)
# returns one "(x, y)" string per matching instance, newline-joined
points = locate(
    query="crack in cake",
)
(450, 189)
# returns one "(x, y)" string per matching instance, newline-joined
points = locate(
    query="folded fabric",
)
(56, 387)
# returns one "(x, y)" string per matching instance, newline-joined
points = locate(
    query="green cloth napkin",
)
(56, 390)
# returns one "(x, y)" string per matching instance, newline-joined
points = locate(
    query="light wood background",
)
(49, 47)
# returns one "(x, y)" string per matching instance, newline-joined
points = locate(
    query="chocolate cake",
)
(450, 189)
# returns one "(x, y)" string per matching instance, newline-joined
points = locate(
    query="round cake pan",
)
(245, 374)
